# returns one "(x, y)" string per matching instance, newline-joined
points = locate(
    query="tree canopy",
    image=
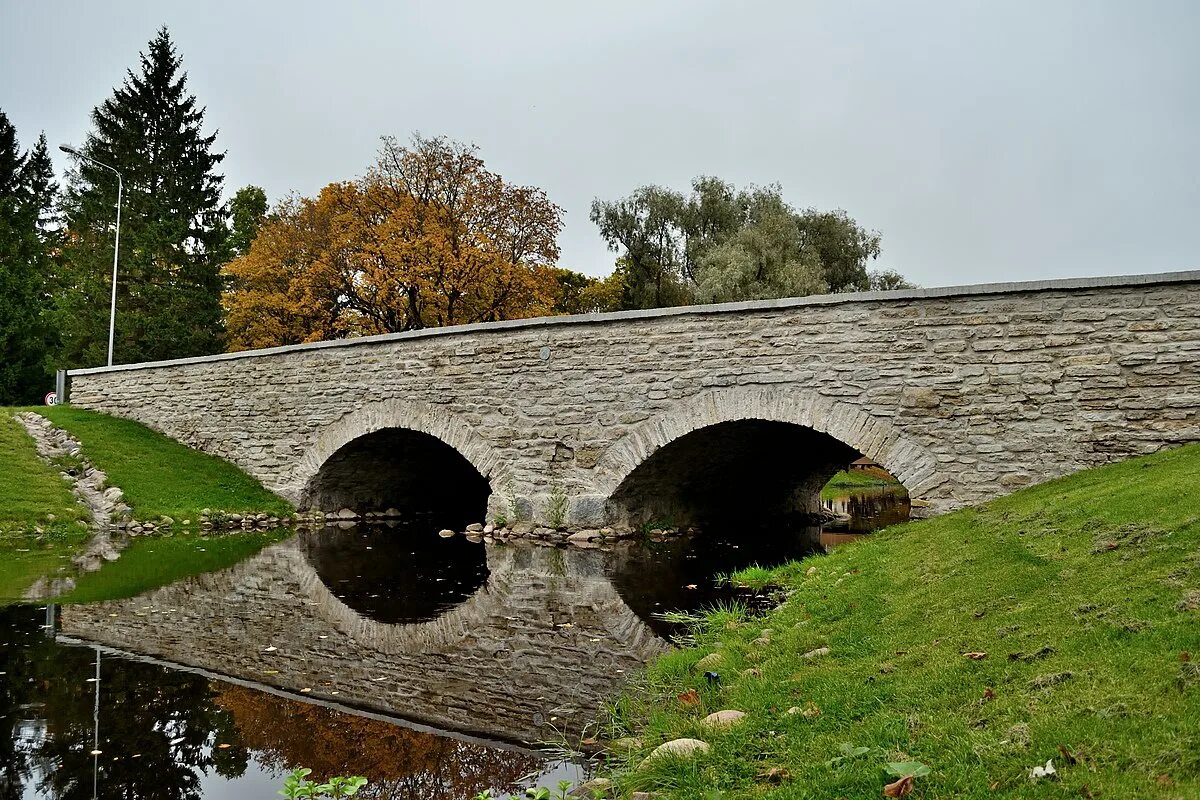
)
(719, 243)
(429, 236)
(27, 204)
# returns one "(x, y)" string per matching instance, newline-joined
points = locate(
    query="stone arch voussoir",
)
(875, 437)
(411, 415)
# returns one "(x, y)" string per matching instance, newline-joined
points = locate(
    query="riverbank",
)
(40, 522)
(163, 482)
(1060, 624)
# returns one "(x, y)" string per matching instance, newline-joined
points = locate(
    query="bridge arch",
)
(385, 429)
(826, 430)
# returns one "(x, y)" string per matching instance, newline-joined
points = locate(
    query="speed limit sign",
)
(51, 398)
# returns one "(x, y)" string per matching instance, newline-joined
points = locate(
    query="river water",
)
(435, 667)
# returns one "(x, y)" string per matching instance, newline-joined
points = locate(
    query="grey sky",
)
(985, 140)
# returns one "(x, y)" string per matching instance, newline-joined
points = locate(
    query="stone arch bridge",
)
(963, 393)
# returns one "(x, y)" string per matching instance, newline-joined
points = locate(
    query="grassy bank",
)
(158, 475)
(39, 518)
(1061, 623)
(857, 479)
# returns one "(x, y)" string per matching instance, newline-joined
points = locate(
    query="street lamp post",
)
(112, 309)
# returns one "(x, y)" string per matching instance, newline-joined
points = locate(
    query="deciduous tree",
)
(428, 237)
(719, 243)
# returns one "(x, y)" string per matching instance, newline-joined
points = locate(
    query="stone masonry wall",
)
(965, 394)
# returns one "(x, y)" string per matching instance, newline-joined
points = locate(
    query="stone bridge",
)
(963, 393)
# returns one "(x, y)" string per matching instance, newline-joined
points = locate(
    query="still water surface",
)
(427, 664)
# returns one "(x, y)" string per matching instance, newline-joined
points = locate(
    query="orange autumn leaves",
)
(429, 237)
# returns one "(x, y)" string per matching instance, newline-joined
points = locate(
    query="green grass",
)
(149, 563)
(1077, 591)
(158, 475)
(39, 518)
(856, 479)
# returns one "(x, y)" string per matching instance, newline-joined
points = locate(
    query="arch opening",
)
(746, 471)
(408, 471)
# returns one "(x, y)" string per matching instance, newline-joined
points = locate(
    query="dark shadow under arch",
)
(751, 470)
(397, 468)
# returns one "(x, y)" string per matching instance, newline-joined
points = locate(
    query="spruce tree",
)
(172, 223)
(38, 178)
(22, 268)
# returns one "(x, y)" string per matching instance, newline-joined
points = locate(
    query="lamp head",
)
(66, 148)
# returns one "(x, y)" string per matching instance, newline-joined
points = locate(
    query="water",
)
(426, 664)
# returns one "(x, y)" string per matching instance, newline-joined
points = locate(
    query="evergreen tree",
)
(38, 178)
(22, 269)
(172, 223)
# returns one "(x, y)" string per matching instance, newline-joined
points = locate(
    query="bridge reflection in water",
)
(516, 641)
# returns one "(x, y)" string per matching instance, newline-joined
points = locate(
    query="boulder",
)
(679, 748)
(723, 719)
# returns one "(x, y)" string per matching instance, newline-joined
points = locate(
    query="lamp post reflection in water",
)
(96, 729)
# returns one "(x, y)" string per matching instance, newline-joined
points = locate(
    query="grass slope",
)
(39, 518)
(158, 475)
(1084, 594)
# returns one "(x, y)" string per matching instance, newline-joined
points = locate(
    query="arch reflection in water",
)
(396, 573)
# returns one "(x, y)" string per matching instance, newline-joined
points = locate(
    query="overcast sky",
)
(986, 141)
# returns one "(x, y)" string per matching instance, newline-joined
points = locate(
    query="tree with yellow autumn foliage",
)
(428, 237)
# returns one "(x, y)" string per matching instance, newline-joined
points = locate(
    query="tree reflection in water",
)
(162, 731)
(158, 728)
(401, 762)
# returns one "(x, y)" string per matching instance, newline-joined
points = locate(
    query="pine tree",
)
(22, 268)
(172, 223)
(38, 178)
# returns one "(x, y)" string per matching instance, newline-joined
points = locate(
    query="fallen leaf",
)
(900, 788)
(271, 649)
(976, 656)
(988, 694)
(690, 698)
(1067, 755)
(774, 775)
(1185, 656)
(691, 586)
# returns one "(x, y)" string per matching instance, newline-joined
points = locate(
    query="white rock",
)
(679, 748)
(723, 719)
